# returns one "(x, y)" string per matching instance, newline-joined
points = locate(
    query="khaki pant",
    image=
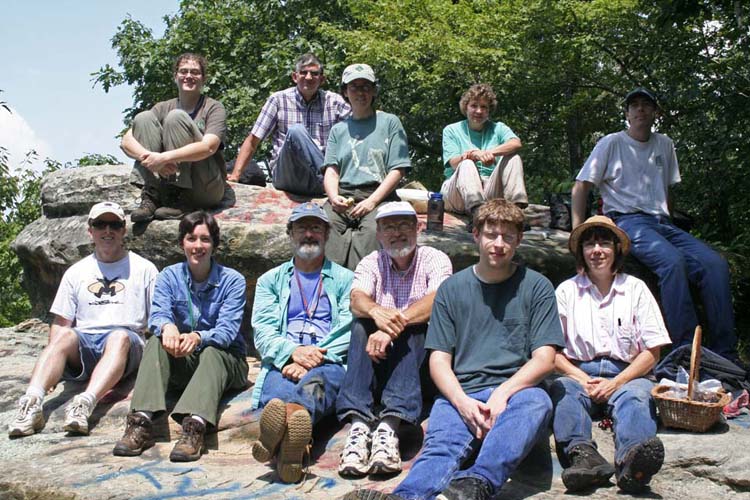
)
(466, 189)
(201, 182)
(204, 376)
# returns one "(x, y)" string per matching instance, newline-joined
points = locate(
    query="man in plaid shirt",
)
(300, 119)
(391, 301)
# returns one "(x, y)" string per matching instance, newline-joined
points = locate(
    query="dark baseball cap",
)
(308, 209)
(640, 91)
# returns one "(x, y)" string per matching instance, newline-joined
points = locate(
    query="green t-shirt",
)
(458, 138)
(491, 329)
(366, 150)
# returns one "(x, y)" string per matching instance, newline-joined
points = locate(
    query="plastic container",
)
(435, 212)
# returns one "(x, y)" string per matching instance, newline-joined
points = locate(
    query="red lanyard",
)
(304, 299)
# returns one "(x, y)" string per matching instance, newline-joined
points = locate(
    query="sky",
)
(48, 49)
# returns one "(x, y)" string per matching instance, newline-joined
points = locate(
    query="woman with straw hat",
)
(613, 334)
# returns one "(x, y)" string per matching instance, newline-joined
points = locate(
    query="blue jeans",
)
(397, 376)
(316, 391)
(631, 407)
(449, 443)
(298, 164)
(678, 259)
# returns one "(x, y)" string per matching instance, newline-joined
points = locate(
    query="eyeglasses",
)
(312, 73)
(366, 87)
(313, 228)
(509, 238)
(185, 72)
(115, 225)
(401, 227)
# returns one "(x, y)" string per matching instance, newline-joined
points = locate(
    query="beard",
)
(308, 250)
(398, 252)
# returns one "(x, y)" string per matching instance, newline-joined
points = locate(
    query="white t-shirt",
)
(632, 176)
(619, 325)
(99, 297)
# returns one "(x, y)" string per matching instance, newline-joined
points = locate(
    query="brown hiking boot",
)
(294, 446)
(272, 429)
(137, 438)
(190, 445)
(145, 212)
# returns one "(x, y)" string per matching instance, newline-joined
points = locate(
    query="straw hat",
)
(601, 221)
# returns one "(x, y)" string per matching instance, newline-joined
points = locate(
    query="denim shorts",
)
(91, 348)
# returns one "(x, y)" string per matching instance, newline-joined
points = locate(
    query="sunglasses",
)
(115, 225)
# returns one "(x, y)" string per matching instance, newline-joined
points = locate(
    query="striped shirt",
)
(287, 107)
(388, 287)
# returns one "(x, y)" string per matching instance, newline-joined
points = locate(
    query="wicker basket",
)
(684, 413)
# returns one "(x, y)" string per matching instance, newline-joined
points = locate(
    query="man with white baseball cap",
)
(100, 312)
(391, 300)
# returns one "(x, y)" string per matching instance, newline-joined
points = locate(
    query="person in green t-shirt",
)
(480, 156)
(366, 156)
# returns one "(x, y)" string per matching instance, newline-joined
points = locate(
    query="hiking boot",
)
(294, 445)
(355, 457)
(29, 418)
(370, 495)
(640, 464)
(77, 415)
(587, 469)
(145, 211)
(169, 213)
(138, 436)
(474, 210)
(190, 445)
(385, 457)
(466, 488)
(272, 428)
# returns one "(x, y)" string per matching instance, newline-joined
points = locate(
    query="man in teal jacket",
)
(301, 323)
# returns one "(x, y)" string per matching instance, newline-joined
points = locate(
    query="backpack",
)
(732, 377)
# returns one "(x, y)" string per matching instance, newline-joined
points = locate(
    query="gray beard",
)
(398, 253)
(308, 251)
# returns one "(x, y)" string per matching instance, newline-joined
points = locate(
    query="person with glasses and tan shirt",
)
(177, 147)
(299, 120)
(100, 313)
(392, 297)
(301, 320)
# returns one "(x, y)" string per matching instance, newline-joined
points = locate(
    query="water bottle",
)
(435, 212)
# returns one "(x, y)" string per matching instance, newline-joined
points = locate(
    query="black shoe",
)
(466, 488)
(588, 469)
(640, 464)
(145, 212)
(474, 211)
(364, 494)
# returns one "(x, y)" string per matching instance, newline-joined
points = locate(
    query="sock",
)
(147, 414)
(89, 397)
(389, 424)
(198, 418)
(36, 391)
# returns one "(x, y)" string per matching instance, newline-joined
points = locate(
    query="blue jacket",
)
(270, 318)
(217, 308)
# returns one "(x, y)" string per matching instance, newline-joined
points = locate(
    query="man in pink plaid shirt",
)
(391, 301)
(299, 120)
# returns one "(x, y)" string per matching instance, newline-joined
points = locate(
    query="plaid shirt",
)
(287, 107)
(377, 277)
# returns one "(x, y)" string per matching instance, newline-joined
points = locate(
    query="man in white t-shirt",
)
(633, 170)
(100, 312)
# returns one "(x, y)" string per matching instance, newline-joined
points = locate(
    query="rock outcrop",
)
(253, 232)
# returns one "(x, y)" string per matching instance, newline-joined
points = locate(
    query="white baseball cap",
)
(355, 71)
(106, 207)
(393, 208)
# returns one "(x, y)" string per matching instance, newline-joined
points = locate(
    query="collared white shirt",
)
(619, 325)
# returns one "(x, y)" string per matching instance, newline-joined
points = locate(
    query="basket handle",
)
(695, 361)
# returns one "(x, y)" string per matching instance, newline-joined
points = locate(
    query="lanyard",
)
(308, 313)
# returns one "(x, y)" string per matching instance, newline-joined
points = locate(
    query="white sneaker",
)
(29, 418)
(77, 415)
(385, 457)
(356, 454)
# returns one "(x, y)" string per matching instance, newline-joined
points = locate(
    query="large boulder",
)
(253, 232)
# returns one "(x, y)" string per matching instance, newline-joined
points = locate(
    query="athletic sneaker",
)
(355, 458)
(385, 457)
(77, 415)
(29, 418)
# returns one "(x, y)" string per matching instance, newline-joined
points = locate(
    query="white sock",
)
(199, 419)
(36, 391)
(89, 397)
(147, 414)
(389, 424)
